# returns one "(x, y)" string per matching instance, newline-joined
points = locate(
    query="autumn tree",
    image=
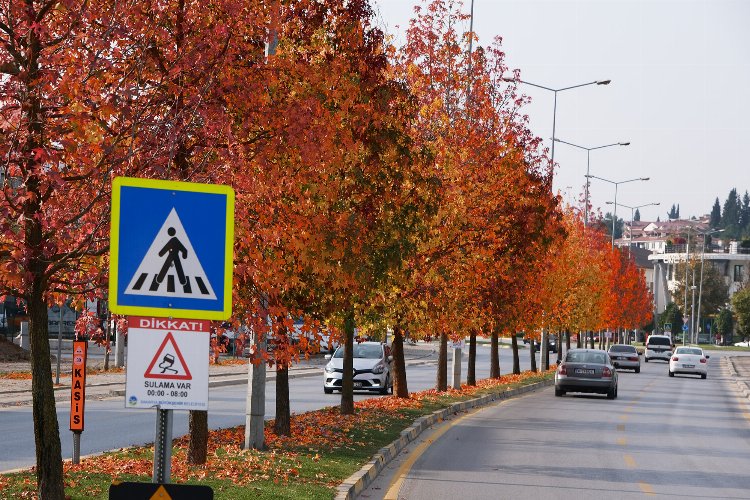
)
(70, 109)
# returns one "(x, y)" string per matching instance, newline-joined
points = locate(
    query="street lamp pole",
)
(616, 183)
(632, 216)
(700, 282)
(545, 350)
(588, 171)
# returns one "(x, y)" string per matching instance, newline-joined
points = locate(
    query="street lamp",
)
(614, 216)
(700, 283)
(588, 163)
(554, 109)
(632, 210)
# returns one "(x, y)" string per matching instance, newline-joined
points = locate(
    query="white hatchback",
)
(688, 359)
(372, 368)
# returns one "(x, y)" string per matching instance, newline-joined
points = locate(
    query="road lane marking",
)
(647, 489)
(404, 468)
(624, 417)
(622, 441)
(629, 461)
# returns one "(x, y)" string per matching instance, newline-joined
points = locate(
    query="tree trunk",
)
(49, 470)
(347, 385)
(532, 353)
(198, 442)
(442, 371)
(282, 425)
(494, 355)
(560, 336)
(516, 360)
(471, 374)
(400, 388)
(544, 358)
(579, 339)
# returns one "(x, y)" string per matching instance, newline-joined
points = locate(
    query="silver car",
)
(625, 356)
(586, 370)
(372, 368)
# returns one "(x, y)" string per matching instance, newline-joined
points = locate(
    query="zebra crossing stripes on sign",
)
(171, 267)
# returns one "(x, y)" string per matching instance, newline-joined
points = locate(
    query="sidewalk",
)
(739, 370)
(111, 384)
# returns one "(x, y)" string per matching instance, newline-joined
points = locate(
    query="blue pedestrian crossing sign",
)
(171, 249)
(684, 328)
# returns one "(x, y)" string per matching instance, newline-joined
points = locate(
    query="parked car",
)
(743, 344)
(372, 368)
(689, 359)
(625, 356)
(586, 370)
(551, 343)
(527, 340)
(658, 347)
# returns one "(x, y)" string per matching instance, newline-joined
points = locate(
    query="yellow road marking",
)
(621, 427)
(622, 441)
(646, 488)
(629, 461)
(401, 472)
(623, 417)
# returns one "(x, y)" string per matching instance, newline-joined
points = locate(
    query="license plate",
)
(357, 384)
(688, 366)
(582, 371)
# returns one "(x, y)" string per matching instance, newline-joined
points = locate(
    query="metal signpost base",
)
(76, 448)
(162, 446)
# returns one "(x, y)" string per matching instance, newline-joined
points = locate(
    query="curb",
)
(742, 385)
(357, 482)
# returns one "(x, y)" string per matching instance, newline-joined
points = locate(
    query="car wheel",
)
(327, 390)
(384, 390)
(671, 373)
(645, 359)
(703, 376)
(559, 392)
(638, 370)
(611, 394)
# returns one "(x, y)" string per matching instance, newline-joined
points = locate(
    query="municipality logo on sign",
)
(171, 267)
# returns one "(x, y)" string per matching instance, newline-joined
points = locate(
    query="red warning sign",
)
(168, 362)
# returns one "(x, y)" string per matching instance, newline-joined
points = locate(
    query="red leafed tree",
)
(68, 114)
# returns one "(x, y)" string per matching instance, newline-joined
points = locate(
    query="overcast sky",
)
(680, 92)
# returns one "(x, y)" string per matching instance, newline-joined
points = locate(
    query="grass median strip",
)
(324, 449)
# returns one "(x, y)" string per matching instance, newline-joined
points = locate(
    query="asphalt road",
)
(109, 425)
(679, 437)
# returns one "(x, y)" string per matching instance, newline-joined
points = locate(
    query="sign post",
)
(171, 256)
(78, 395)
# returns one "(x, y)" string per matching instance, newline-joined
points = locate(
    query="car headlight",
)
(378, 369)
(330, 369)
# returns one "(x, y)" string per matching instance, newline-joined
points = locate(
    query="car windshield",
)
(622, 348)
(689, 350)
(586, 357)
(659, 341)
(367, 351)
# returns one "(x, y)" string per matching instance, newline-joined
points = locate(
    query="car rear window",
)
(586, 357)
(688, 350)
(659, 341)
(622, 348)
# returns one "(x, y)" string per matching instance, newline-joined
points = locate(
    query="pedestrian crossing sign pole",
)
(171, 249)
